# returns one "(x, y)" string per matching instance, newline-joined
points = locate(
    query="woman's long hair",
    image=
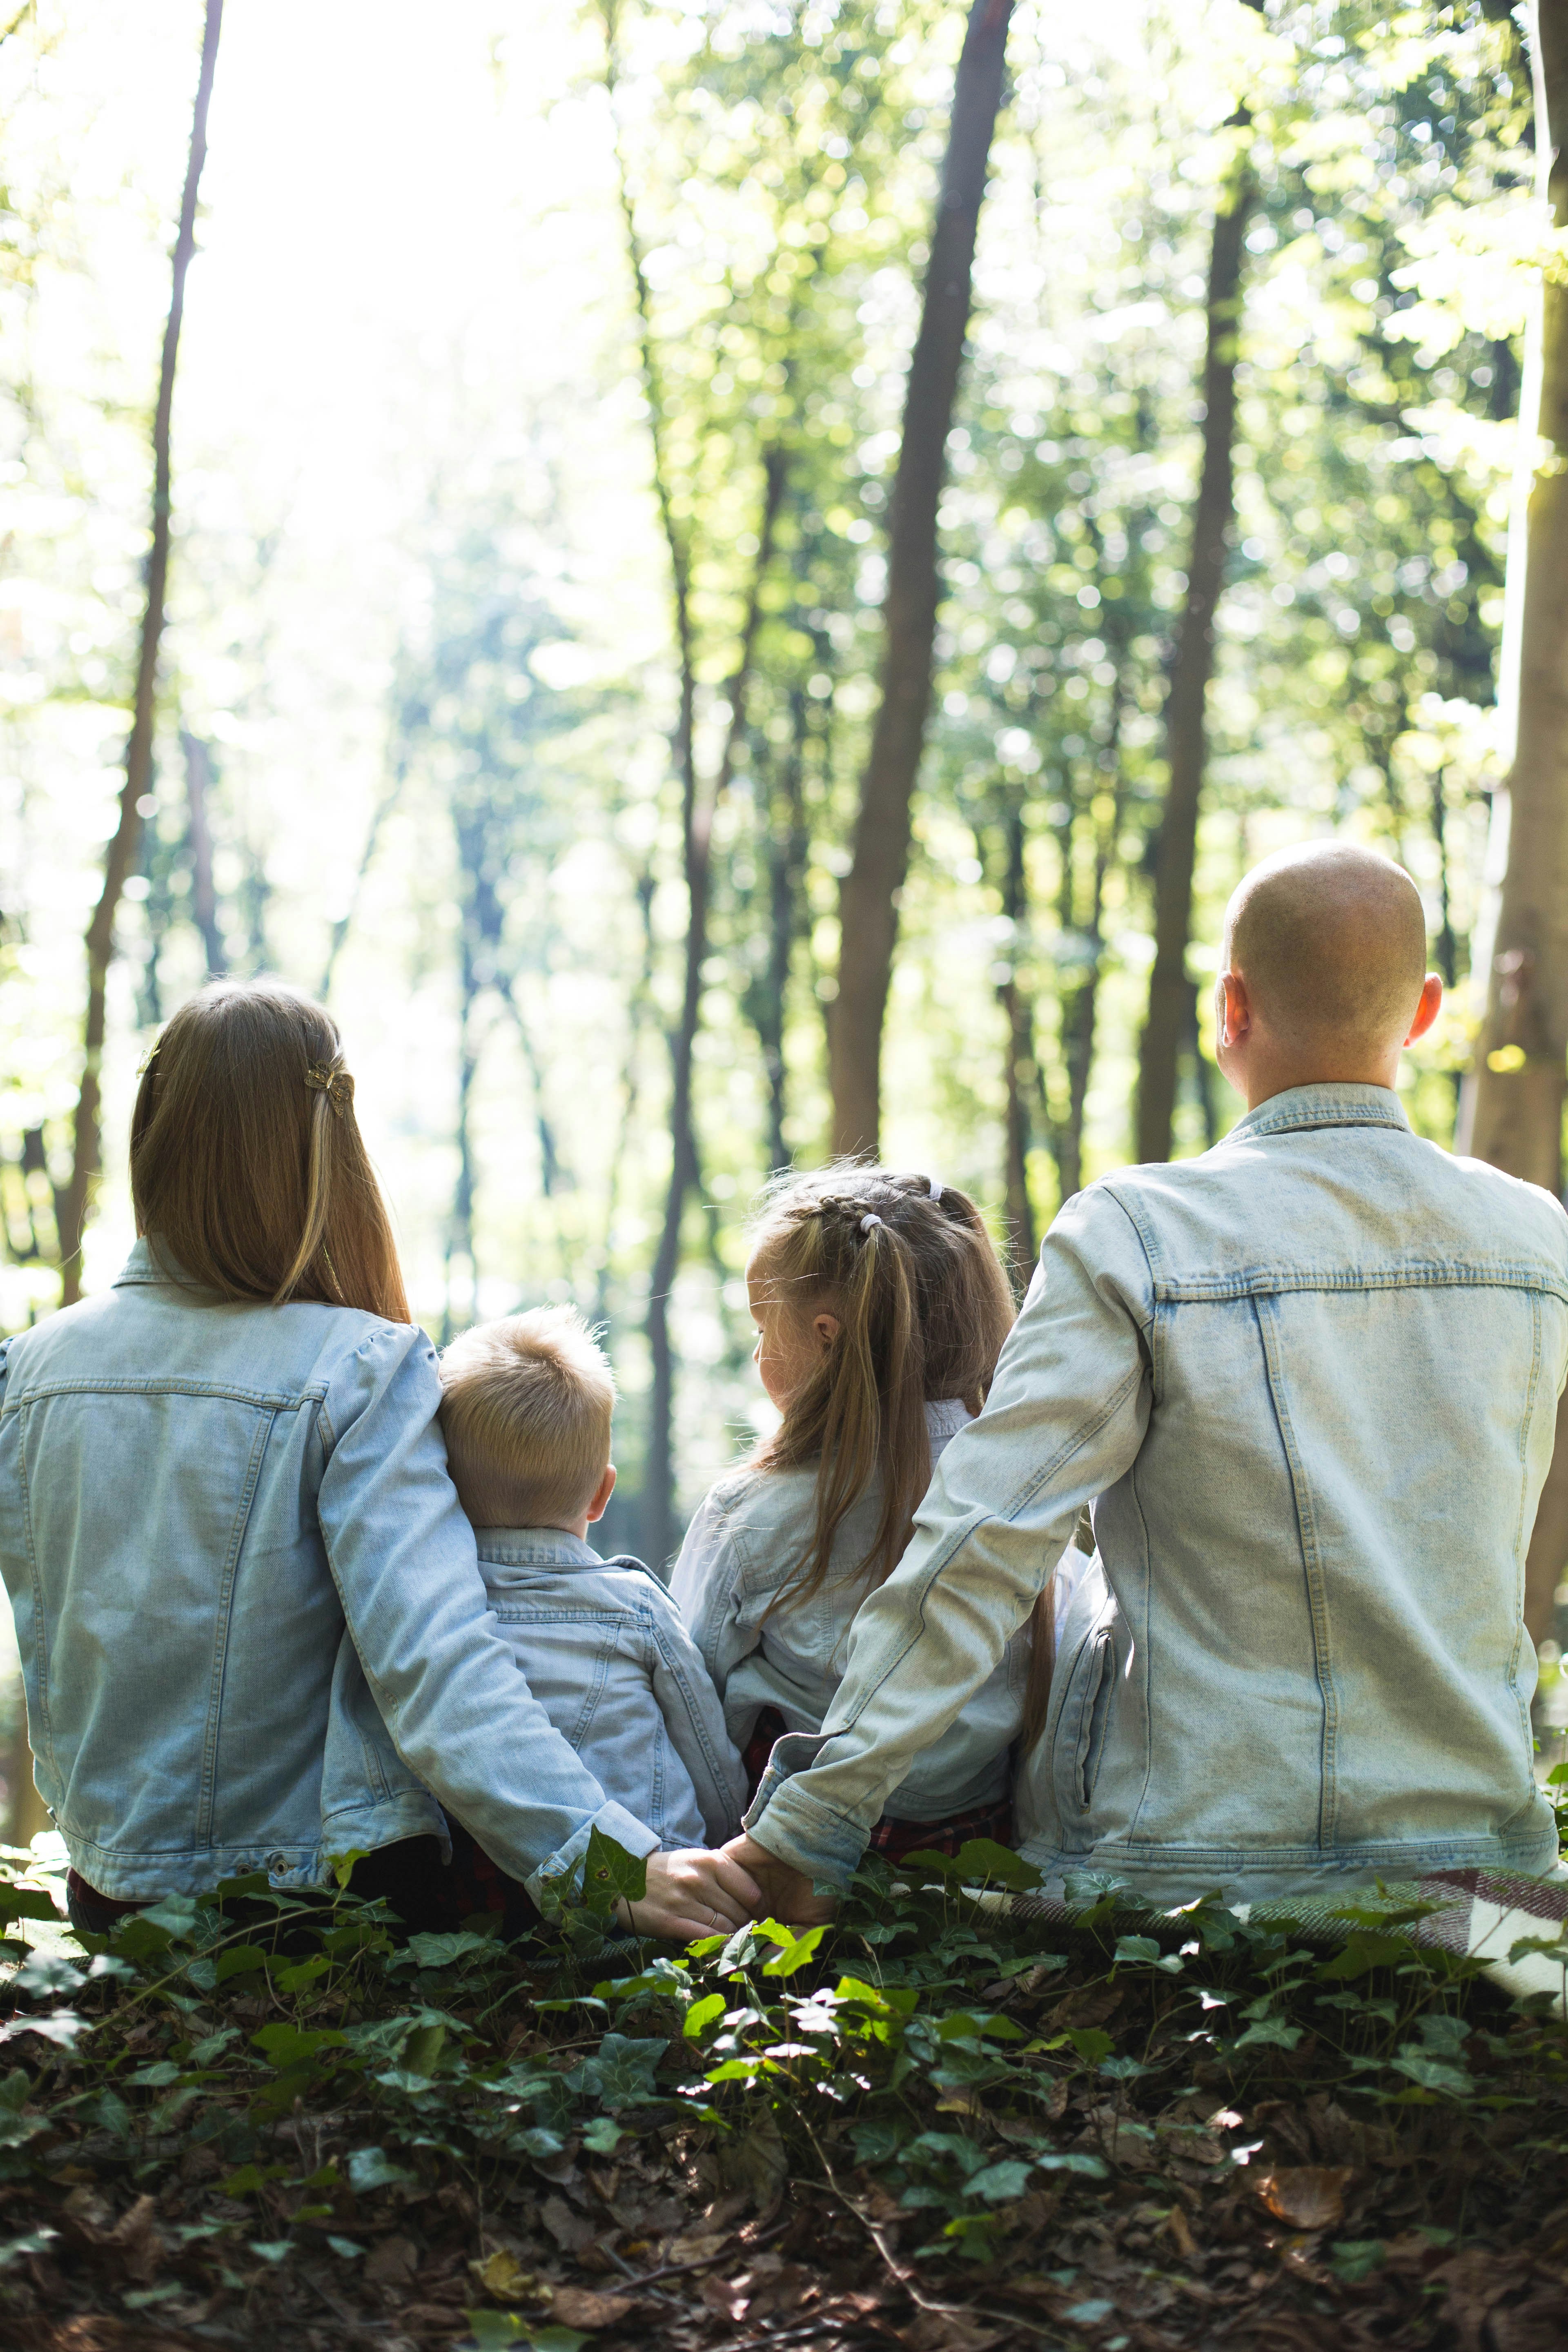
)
(249, 1173)
(922, 1304)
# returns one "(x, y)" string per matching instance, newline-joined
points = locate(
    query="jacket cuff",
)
(823, 1844)
(611, 1820)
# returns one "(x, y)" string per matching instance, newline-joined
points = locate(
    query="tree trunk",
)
(788, 846)
(1511, 1106)
(203, 898)
(121, 855)
(1018, 1045)
(869, 897)
(1166, 1019)
(658, 1527)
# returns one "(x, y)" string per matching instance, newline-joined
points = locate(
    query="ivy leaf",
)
(239, 1960)
(610, 1874)
(794, 1950)
(603, 2137)
(1090, 2043)
(983, 1861)
(1364, 1951)
(370, 2167)
(446, 1951)
(703, 2013)
(997, 2183)
(287, 2045)
(1433, 2074)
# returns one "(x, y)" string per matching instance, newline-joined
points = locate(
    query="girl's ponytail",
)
(908, 1271)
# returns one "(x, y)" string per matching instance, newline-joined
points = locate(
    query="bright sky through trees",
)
(420, 598)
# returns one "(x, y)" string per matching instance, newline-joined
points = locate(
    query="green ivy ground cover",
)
(256, 2122)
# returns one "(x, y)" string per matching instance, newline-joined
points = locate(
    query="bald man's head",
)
(1331, 940)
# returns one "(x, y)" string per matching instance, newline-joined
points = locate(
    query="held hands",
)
(694, 1893)
(784, 1893)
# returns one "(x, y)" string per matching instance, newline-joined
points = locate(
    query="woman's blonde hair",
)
(248, 1174)
(910, 1272)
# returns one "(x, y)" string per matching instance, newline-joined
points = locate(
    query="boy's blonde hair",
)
(526, 1413)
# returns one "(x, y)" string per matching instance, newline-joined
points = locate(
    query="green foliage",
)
(921, 2054)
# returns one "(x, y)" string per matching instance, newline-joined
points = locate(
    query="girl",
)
(881, 1307)
(253, 1627)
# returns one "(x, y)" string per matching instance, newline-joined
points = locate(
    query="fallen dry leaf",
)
(695, 2246)
(580, 2306)
(1306, 2196)
(504, 2280)
(392, 2262)
(570, 2230)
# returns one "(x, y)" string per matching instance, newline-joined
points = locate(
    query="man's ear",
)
(601, 1493)
(1427, 1009)
(1234, 1008)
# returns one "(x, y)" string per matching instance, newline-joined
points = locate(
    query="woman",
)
(251, 1618)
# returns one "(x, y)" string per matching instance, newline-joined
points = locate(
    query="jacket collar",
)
(535, 1548)
(1332, 1104)
(142, 1266)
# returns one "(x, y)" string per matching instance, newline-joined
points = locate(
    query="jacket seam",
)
(206, 1799)
(40, 1632)
(1413, 1274)
(102, 1384)
(1312, 1570)
(1521, 1539)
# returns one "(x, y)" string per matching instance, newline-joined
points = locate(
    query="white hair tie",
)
(937, 1187)
(870, 1219)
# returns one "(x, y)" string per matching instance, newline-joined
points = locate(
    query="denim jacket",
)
(747, 1537)
(605, 1653)
(1311, 1379)
(253, 1630)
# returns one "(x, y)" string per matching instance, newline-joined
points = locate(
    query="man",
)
(1309, 1381)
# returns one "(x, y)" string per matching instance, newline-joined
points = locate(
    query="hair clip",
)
(870, 1219)
(336, 1085)
(148, 1059)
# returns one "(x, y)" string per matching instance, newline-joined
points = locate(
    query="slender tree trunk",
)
(203, 898)
(658, 1527)
(868, 897)
(1166, 1018)
(787, 849)
(1018, 1045)
(1511, 1105)
(461, 1227)
(120, 855)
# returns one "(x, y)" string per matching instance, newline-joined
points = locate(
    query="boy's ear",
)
(601, 1493)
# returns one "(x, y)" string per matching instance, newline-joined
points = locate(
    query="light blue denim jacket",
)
(607, 1657)
(745, 1543)
(253, 1629)
(1311, 1379)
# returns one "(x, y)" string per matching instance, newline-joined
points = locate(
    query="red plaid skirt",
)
(892, 1840)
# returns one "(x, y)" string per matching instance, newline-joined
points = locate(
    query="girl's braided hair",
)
(908, 1269)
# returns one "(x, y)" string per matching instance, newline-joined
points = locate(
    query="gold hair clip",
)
(336, 1085)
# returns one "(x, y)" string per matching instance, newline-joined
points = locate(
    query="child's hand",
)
(787, 1893)
(691, 1894)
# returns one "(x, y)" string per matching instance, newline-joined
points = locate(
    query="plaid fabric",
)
(892, 1840)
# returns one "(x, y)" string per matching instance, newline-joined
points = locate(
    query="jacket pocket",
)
(1093, 1713)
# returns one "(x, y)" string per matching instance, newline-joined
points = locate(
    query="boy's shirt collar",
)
(535, 1548)
(1333, 1104)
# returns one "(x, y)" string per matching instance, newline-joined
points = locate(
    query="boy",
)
(526, 1410)
(1310, 1382)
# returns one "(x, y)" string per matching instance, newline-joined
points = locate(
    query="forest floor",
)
(256, 2124)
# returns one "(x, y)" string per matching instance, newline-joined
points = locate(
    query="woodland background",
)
(539, 400)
